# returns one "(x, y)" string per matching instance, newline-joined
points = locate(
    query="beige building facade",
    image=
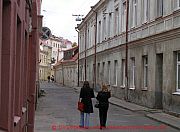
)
(44, 62)
(153, 51)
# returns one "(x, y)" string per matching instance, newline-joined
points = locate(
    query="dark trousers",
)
(103, 116)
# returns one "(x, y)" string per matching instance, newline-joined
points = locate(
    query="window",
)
(159, 8)
(115, 72)
(134, 13)
(99, 34)
(132, 77)
(123, 72)
(145, 10)
(124, 16)
(109, 25)
(109, 72)
(116, 21)
(176, 4)
(178, 73)
(98, 73)
(145, 71)
(103, 64)
(104, 25)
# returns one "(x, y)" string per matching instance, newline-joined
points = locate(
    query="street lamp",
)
(78, 53)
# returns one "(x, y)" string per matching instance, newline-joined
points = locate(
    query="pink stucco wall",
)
(18, 65)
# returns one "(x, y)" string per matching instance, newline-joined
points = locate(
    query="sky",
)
(58, 16)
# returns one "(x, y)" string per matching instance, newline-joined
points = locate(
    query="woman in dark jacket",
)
(86, 94)
(103, 97)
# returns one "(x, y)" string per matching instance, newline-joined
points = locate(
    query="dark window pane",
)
(178, 56)
(178, 77)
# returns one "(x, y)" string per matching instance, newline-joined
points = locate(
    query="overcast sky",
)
(58, 16)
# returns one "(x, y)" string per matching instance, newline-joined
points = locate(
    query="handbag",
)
(97, 104)
(80, 106)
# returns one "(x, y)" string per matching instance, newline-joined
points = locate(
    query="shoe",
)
(81, 126)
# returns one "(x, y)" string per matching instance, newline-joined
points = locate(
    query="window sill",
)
(123, 87)
(16, 120)
(132, 88)
(145, 89)
(114, 86)
(176, 93)
(23, 110)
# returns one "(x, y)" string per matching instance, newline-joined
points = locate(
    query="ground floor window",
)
(132, 75)
(145, 71)
(123, 73)
(178, 72)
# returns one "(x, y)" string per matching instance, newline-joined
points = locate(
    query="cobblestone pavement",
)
(58, 109)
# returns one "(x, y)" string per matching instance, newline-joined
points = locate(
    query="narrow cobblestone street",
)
(59, 107)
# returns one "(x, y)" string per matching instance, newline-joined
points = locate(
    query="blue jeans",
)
(84, 122)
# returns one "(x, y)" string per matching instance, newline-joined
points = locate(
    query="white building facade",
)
(58, 45)
(153, 50)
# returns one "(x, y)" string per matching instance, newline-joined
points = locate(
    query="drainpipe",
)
(78, 52)
(85, 51)
(95, 43)
(126, 72)
(62, 73)
(95, 39)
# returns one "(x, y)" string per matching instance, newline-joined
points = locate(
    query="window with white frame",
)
(88, 44)
(99, 32)
(109, 25)
(123, 73)
(145, 71)
(178, 73)
(116, 21)
(145, 10)
(98, 73)
(104, 27)
(124, 16)
(132, 77)
(103, 65)
(176, 4)
(109, 72)
(159, 8)
(134, 9)
(115, 72)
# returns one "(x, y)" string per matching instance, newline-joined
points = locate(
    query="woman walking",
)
(86, 94)
(103, 97)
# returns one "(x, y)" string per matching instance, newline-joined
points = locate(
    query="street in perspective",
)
(57, 111)
(89, 65)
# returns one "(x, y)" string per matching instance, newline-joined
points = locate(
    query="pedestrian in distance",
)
(86, 95)
(48, 78)
(103, 106)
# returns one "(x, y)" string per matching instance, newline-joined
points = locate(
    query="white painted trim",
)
(16, 120)
(132, 88)
(176, 93)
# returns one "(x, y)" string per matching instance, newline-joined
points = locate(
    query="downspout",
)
(78, 53)
(95, 39)
(126, 72)
(85, 51)
(62, 74)
(95, 43)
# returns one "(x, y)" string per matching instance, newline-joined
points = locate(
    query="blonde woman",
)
(103, 97)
